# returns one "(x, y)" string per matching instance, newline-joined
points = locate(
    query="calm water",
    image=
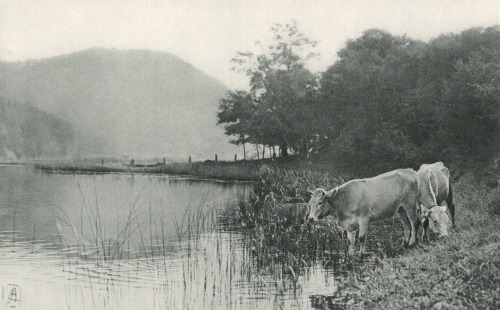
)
(122, 241)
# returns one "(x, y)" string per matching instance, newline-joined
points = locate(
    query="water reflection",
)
(124, 241)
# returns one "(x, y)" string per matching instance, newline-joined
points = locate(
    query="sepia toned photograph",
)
(231, 154)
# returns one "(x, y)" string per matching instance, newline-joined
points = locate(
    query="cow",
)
(436, 219)
(361, 201)
(434, 188)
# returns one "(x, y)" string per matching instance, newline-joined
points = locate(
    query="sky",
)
(208, 34)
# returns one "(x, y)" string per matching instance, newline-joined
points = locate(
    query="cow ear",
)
(310, 191)
(332, 193)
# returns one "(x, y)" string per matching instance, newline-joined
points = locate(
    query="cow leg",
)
(425, 227)
(415, 223)
(451, 207)
(406, 225)
(351, 236)
(363, 232)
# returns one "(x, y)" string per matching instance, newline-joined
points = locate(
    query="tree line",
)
(387, 100)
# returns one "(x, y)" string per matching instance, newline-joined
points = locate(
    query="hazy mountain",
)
(124, 102)
(28, 131)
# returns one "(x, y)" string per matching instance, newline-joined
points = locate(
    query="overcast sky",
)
(208, 33)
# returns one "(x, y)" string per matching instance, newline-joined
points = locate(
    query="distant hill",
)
(133, 102)
(26, 131)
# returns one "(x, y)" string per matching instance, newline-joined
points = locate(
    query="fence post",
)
(235, 157)
(190, 159)
(164, 162)
(215, 157)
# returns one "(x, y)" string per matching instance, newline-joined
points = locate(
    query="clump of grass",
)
(102, 248)
(275, 216)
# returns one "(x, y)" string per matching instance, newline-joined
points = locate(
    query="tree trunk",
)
(263, 151)
(307, 149)
(257, 147)
(284, 151)
(244, 152)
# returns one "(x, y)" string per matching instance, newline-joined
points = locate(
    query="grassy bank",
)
(461, 271)
(458, 272)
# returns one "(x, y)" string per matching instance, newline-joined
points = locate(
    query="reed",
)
(421, 276)
(278, 250)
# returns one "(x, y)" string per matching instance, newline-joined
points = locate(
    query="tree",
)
(393, 101)
(279, 85)
(237, 110)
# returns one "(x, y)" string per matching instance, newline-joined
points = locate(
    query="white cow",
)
(434, 189)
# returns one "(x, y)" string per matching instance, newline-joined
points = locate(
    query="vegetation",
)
(458, 272)
(26, 131)
(388, 101)
(228, 171)
(273, 111)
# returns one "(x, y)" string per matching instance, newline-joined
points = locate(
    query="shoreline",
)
(224, 171)
(459, 272)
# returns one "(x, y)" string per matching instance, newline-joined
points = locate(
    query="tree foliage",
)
(387, 101)
(395, 101)
(281, 88)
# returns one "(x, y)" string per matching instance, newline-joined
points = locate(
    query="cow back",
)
(433, 184)
(378, 197)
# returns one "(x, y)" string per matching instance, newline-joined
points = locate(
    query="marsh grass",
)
(277, 210)
(276, 250)
(462, 271)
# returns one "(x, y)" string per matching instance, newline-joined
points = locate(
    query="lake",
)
(137, 241)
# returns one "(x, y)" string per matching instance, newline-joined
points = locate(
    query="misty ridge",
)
(133, 102)
(31, 132)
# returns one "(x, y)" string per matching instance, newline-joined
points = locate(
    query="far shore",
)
(241, 170)
(227, 171)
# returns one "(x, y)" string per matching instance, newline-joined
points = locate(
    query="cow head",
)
(437, 217)
(319, 205)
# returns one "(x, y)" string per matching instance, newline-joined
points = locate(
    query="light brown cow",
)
(359, 202)
(434, 189)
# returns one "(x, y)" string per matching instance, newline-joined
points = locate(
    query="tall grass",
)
(278, 249)
(419, 277)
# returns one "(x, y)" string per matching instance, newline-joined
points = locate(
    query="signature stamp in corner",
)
(11, 296)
